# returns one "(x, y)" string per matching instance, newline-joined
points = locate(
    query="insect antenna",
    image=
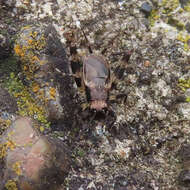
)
(76, 19)
(89, 47)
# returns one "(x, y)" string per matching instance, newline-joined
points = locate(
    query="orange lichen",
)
(52, 93)
(29, 53)
(27, 105)
(35, 87)
(35, 58)
(18, 50)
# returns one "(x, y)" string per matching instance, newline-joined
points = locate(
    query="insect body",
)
(96, 77)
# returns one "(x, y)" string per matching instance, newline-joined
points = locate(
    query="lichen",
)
(188, 99)
(187, 6)
(169, 6)
(52, 93)
(6, 146)
(11, 185)
(153, 17)
(184, 84)
(185, 39)
(35, 87)
(4, 124)
(28, 52)
(17, 168)
(27, 105)
(176, 23)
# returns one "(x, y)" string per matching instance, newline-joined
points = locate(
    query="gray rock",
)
(146, 8)
(145, 77)
(48, 70)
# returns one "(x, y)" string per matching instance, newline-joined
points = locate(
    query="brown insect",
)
(97, 78)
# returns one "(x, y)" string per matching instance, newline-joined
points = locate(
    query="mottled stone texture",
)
(47, 70)
(31, 161)
(7, 103)
(184, 176)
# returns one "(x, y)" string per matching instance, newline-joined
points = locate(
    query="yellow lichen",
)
(169, 6)
(4, 124)
(41, 128)
(26, 27)
(31, 62)
(185, 39)
(11, 185)
(17, 168)
(27, 105)
(27, 53)
(187, 7)
(52, 93)
(184, 84)
(35, 87)
(188, 99)
(6, 146)
(153, 17)
(18, 50)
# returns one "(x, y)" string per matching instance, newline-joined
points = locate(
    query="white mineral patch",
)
(170, 31)
(184, 110)
(123, 149)
(163, 88)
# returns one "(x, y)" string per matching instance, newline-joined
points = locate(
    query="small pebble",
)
(145, 77)
(146, 8)
(147, 63)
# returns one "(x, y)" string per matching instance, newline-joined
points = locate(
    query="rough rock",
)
(7, 102)
(46, 66)
(31, 161)
(146, 8)
(135, 142)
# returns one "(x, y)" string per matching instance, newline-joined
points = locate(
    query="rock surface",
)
(47, 69)
(134, 144)
(31, 161)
